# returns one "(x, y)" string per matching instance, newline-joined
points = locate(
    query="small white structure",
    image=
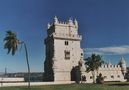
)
(63, 53)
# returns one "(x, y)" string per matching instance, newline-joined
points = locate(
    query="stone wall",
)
(34, 83)
(5, 79)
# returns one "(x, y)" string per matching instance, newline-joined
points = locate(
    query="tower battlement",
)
(69, 23)
(110, 67)
(65, 30)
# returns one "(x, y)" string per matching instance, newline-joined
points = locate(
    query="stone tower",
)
(63, 51)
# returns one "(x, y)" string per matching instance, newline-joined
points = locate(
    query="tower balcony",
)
(67, 36)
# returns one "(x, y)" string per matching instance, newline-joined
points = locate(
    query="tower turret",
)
(76, 23)
(70, 22)
(48, 25)
(56, 20)
(123, 65)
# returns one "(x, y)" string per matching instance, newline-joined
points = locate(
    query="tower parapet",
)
(109, 67)
(64, 30)
(70, 22)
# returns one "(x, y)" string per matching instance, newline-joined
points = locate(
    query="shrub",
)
(100, 79)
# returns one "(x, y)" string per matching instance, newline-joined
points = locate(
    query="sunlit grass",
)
(106, 86)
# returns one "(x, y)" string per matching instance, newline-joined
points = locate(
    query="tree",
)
(127, 74)
(100, 79)
(93, 63)
(76, 73)
(11, 43)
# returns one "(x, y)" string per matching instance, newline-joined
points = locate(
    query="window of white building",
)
(66, 43)
(112, 76)
(105, 77)
(118, 76)
(67, 55)
(91, 77)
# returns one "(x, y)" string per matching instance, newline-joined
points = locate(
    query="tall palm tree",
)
(11, 43)
(93, 63)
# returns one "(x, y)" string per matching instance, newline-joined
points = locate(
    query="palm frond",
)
(11, 42)
(93, 62)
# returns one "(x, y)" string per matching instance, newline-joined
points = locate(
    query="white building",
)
(109, 71)
(63, 53)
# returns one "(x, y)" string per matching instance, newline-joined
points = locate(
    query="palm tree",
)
(11, 43)
(93, 63)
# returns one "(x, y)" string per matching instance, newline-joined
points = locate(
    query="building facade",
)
(63, 53)
(109, 71)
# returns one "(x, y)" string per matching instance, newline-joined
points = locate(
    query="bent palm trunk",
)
(27, 65)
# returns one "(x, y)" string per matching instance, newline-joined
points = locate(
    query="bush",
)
(77, 74)
(100, 79)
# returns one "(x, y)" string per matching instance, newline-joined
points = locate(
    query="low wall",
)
(6, 79)
(35, 83)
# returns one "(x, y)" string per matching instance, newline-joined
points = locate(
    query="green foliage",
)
(93, 63)
(11, 42)
(127, 74)
(100, 79)
(77, 74)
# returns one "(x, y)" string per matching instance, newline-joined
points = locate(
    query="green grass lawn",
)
(106, 86)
